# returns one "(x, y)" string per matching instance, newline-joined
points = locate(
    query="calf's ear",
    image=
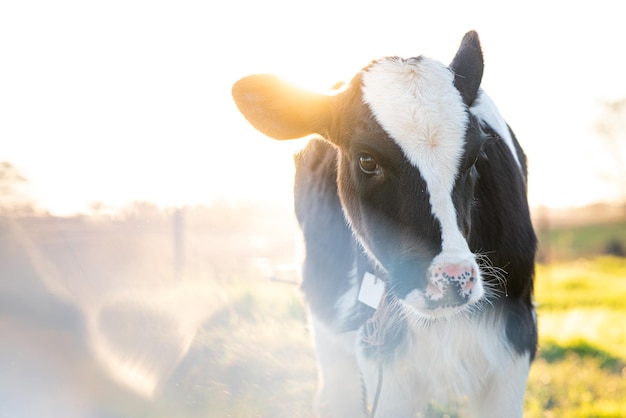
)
(279, 109)
(468, 66)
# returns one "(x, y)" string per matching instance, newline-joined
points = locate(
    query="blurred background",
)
(147, 238)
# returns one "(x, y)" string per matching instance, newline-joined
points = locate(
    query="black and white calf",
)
(419, 246)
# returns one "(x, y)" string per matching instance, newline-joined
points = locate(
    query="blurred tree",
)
(611, 125)
(13, 199)
(98, 209)
(144, 211)
(615, 247)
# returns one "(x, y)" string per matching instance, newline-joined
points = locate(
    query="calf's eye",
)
(368, 164)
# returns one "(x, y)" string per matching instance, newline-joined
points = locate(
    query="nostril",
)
(469, 284)
(434, 291)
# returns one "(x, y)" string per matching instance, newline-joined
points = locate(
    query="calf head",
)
(407, 146)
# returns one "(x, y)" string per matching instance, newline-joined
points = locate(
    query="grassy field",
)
(581, 369)
(219, 339)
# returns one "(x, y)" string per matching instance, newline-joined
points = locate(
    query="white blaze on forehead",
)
(416, 103)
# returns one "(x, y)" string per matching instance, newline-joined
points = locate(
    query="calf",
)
(419, 246)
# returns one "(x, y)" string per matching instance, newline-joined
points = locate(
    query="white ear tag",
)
(372, 289)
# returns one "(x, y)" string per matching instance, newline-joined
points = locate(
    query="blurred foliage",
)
(14, 200)
(611, 127)
(589, 240)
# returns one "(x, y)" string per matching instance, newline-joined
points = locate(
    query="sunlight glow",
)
(140, 337)
(144, 112)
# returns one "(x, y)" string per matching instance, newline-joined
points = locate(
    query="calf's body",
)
(419, 182)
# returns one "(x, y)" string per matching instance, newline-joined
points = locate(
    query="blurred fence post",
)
(179, 242)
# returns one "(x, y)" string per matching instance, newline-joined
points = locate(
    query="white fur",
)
(452, 360)
(456, 359)
(485, 109)
(340, 393)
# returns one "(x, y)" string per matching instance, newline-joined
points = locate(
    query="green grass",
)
(582, 283)
(581, 368)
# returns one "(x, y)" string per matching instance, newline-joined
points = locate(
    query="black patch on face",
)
(390, 209)
(463, 192)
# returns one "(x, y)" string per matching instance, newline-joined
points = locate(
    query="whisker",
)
(493, 272)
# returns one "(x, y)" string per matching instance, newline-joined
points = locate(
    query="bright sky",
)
(130, 100)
